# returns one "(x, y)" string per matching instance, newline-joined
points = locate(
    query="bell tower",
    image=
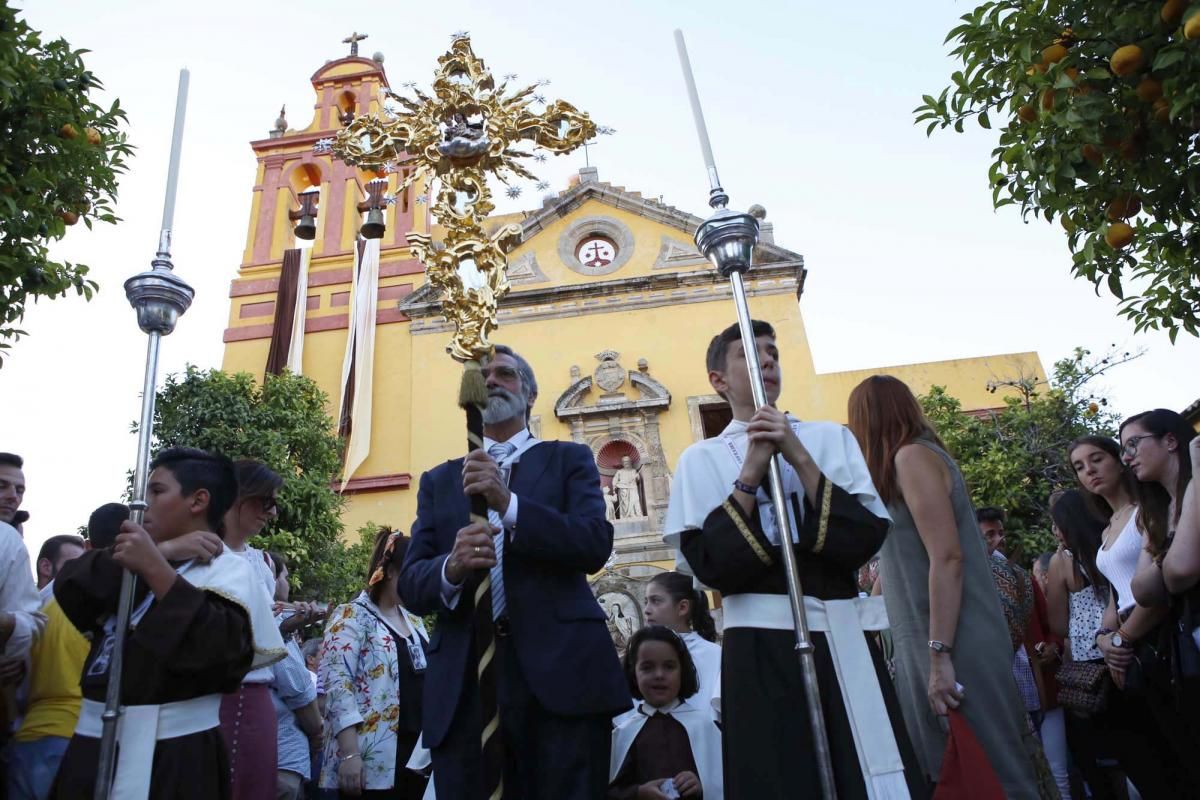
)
(291, 163)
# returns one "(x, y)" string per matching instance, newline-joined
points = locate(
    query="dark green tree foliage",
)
(1016, 456)
(283, 423)
(1098, 108)
(60, 155)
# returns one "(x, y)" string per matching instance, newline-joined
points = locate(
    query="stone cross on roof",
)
(353, 40)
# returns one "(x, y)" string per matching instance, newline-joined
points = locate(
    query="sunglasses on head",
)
(388, 549)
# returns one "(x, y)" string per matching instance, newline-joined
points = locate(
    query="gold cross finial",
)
(353, 40)
(467, 129)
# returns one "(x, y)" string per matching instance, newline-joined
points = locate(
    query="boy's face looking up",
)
(170, 513)
(733, 382)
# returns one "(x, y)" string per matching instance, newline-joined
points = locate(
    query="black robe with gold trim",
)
(768, 747)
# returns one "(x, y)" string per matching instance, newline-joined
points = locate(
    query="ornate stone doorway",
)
(615, 412)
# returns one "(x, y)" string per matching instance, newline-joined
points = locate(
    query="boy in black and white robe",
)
(730, 542)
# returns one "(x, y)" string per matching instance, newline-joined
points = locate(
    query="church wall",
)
(965, 378)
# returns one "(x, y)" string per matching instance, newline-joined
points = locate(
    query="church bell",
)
(374, 227)
(306, 228)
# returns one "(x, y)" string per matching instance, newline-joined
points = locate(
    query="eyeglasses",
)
(268, 504)
(1130, 448)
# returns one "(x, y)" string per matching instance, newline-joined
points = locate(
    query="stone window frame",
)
(610, 228)
(694, 405)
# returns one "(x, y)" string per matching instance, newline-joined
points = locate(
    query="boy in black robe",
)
(200, 623)
(730, 542)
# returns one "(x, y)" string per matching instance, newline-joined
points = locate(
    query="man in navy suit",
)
(559, 681)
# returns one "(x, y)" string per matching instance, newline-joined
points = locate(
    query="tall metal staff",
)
(727, 239)
(160, 297)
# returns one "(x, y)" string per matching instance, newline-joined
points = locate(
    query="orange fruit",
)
(1048, 100)
(1119, 235)
(68, 131)
(1172, 11)
(1027, 113)
(1149, 90)
(93, 135)
(1092, 153)
(1054, 54)
(69, 217)
(1191, 28)
(1072, 73)
(1123, 207)
(1162, 110)
(1128, 59)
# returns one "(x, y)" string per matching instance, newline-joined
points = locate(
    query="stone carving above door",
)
(615, 412)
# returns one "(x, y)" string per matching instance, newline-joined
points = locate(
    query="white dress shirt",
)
(18, 593)
(522, 440)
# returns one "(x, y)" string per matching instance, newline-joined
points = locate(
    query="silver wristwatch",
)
(940, 647)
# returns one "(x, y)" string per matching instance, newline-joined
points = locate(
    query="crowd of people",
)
(477, 663)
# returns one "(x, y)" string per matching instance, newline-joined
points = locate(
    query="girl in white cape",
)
(669, 747)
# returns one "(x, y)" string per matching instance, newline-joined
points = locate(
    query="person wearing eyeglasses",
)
(1140, 742)
(248, 721)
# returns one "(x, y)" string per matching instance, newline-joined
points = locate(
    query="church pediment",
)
(597, 247)
(673, 243)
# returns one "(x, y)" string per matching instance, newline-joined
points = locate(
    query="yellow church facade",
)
(611, 304)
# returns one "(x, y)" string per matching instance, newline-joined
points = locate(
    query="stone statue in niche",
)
(629, 493)
(610, 503)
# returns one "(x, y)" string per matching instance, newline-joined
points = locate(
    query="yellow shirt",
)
(56, 666)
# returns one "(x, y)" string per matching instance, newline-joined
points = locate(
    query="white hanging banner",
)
(360, 354)
(295, 357)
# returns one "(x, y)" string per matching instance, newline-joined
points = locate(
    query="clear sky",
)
(809, 106)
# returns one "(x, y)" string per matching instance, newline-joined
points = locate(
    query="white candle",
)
(176, 145)
(697, 112)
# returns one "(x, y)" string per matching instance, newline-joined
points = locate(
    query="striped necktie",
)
(500, 452)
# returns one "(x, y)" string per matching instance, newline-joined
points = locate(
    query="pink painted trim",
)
(377, 483)
(327, 277)
(339, 299)
(247, 332)
(331, 322)
(257, 309)
(313, 302)
(266, 213)
(395, 292)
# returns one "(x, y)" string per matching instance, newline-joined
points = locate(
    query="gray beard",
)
(503, 406)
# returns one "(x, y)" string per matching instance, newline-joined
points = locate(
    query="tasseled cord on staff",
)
(473, 398)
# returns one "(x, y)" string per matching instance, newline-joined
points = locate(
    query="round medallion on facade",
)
(596, 252)
(596, 246)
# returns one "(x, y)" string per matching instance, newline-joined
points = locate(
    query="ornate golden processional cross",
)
(469, 128)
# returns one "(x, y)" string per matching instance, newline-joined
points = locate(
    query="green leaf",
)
(1166, 57)
(984, 122)
(1114, 285)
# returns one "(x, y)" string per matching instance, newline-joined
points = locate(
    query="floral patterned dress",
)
(371, 683)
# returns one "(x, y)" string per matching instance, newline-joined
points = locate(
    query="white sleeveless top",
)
(1119, 562)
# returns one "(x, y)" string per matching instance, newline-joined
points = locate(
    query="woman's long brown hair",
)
(885, 416)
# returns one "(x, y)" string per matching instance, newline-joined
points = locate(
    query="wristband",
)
(352, 755)
(745, 487)
(940, 647)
